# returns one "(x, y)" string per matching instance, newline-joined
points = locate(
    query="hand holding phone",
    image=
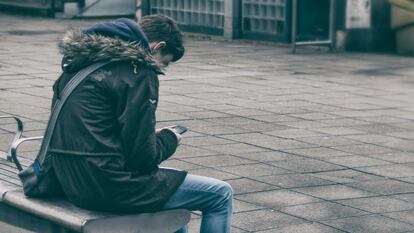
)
(179, 129)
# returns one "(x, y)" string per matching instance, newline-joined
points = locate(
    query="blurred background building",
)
(352, 25)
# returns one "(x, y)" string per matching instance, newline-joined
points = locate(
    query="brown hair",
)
(162, 28)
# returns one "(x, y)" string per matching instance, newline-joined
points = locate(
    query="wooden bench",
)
(59, 215)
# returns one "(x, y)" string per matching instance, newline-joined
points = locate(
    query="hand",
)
(170, 128)
(177, 135)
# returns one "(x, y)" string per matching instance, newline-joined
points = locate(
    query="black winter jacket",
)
(104, 149)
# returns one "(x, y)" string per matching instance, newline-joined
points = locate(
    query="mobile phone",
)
(180, 129)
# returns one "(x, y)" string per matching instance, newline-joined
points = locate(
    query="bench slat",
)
(5, 187)
(161, 222)
(7, 167)
(65, 214)
(10, 180)
(58, 211)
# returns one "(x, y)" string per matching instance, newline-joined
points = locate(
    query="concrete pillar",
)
(232, 21)
(143, 8)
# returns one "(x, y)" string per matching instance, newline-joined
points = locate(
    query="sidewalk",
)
(313, 142)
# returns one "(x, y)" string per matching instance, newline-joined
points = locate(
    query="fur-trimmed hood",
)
(109, 41)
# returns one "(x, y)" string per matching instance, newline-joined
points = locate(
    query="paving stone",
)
(204, 114)
(242, 206)
(306, 227)
(234, 148)
(204, 141)
(277, 198)
(346, 176)
(404, 134)
(177, 107)
(384, 119)
(268, 156)
(169, 116)
(343, 122)
(321, 107)
(329, 141)
(274, 118)
(249, 137)
(263, 127)
(378, 204)
(245, 112)
(407, 179)
(338, 131)
(360, 106)
(404, 216)
(192, 124)
(363, 149)
(184, 151)
(384, 186)
(392, 171)
(237, 230)
(28, 126)
(282, 144)
(322, 211)
(305, 124)
(396, 157)
(405, 197)
(399, 144)
(214, 173)
(218, 160)
(293, 180)
(355, 161)
(293, 133)
(254, 170)
(244, 185)
(369, 224)
(315, 116)
(370, 138)
(263, 220)
(6, 138)
(334, 192)
(306, 165)
(234, 121)
(318, 152)
(378, 128)
(216, 107)
(219, 130)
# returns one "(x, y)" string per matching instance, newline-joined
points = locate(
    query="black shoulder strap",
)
(66, 92)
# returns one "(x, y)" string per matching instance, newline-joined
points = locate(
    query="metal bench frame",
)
(17, 136)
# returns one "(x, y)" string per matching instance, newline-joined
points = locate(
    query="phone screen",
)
(180, 129)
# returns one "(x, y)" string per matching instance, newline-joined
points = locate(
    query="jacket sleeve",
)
(144, 150)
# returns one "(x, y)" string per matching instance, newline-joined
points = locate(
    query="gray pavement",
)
(312, 142)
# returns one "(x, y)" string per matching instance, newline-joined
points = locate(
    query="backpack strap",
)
(57, 107)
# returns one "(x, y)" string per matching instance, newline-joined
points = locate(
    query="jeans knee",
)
(227, 191)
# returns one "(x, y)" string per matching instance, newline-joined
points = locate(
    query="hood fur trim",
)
(94, 47)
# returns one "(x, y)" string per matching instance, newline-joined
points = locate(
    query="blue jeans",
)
(214, 198)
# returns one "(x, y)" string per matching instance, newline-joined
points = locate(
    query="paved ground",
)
(313, 142)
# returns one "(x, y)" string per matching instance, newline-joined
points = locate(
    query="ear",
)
(159, 45)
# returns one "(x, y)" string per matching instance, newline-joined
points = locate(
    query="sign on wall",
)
(358, 14)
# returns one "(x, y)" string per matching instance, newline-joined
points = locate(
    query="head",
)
(164, 37)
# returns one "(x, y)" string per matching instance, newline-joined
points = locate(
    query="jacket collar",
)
(80, 49)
